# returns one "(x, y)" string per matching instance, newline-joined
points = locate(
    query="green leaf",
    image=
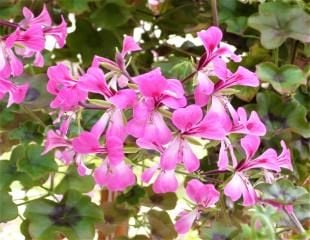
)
(237, 24)
(246, 93)
(166, 201)
(282, 191)
(278, 21)
(161, 225)
(8, 210)
(73, 217)
(32, 162)
(217, 231)
(76, 6)
(102, 42)
(285, 80)
(27, 132)
(73, 181)
(280, 113)
(133, 196)
(111, 15)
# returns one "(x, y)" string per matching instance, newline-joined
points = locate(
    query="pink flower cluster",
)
(156, 112)
(26, 41)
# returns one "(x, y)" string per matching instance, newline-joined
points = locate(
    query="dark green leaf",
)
(284, 80)
(73, 181)
(8, 210)
(161, 225)
(278, 21)
(33, 162)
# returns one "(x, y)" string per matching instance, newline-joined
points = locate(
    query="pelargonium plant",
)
(158, 113)
(159, 117)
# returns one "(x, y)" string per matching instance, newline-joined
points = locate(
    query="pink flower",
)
(94, 81)
(206, 88)
(154, 85)
(59, 32)
(119, 64)
(148, 124)
(88, 142)
(67, 90)
(32, 38)
(211, 38)
(43, 19)
(204, 195)
(268, 160)
(9, 63)
(251, 126)
(16, 93)
(114, 177)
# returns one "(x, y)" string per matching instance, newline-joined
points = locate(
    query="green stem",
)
(295, 221)
(276, 56)
(28, 201)
(31, 114)
(215, 17)
(189, 77)
(294, 52)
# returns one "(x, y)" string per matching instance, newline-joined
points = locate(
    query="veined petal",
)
(185, 222)
(171, 156)
(250, 145)
(185, 118)
(191, 162)
(166, 182)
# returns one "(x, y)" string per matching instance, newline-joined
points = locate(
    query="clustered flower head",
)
(151, 109)
(155, 112)
(26, 41)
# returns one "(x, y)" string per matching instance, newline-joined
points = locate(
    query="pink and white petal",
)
(165, 182)
(171, 156)
(223, 157)
(284, 159)
(195, 191)
(115, 150)
(185, 222)
(191, 162)
(129, 45)
(86, 142)
(250, 144)
(210, 38)
(234, 188)
(149, 173)
(255, 125)
(151, 84)
(122, 99)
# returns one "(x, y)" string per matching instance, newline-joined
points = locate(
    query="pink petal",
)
(171, 156)
(284, 159)
(86, 142)
(203, 194)
(185, 222)
(129, 45)
(94, 81)
(210, 38)
(250, 145)
(115, 150)
(59, 33)
(185, 118)
(203, 90)
(223, 157)
(255, 125)
(149, 173)
(151, 84)
(124, 98)
(234, 188)
(53, 140)
(165, 182)
(191, 162)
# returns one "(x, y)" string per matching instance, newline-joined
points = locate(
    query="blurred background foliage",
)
(272, 36)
